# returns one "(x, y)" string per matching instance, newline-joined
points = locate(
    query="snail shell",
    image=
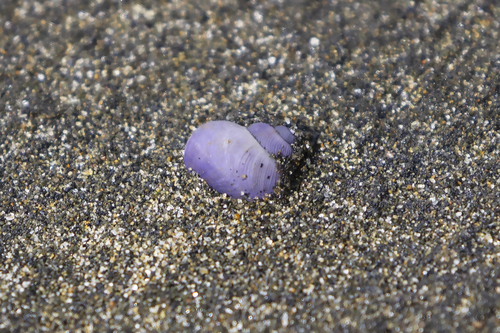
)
(236, 160)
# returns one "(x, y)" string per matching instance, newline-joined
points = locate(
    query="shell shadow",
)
(302, 162)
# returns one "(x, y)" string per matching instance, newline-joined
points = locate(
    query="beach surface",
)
(392, 223)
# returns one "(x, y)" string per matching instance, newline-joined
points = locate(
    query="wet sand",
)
(392, 225)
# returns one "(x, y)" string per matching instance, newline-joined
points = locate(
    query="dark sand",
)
(395, 225)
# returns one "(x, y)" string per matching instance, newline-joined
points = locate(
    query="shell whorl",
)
(271, 139)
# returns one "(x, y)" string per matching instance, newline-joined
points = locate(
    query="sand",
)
(393, 221)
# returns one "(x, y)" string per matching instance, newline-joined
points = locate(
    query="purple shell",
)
(232, 161)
